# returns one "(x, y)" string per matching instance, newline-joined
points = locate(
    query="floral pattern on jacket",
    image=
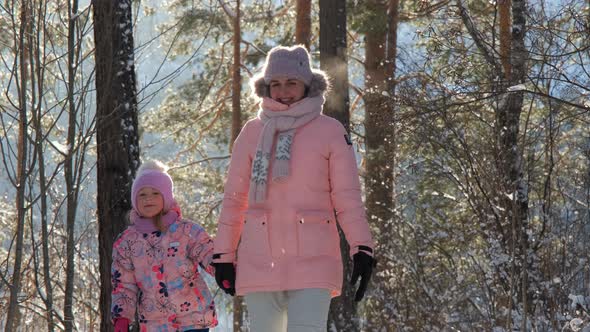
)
(158, 273)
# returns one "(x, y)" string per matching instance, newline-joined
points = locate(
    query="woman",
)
(291, 168)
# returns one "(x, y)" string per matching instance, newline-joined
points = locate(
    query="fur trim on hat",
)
(319, 85)
(259, 87)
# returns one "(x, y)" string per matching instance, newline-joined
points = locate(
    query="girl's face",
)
(149, 202)
(287, 90)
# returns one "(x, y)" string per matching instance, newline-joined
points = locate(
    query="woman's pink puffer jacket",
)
(291, 240)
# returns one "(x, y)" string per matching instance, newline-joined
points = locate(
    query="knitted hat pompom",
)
(153, 165)
(153, 174)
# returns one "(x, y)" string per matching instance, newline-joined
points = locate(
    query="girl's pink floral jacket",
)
(159, 274)
(291, 240)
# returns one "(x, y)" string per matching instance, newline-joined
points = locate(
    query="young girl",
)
(290, 169)
(156, 260)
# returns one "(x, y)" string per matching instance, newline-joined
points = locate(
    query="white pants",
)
(301, 310)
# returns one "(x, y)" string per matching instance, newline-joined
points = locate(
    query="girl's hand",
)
(121, 325)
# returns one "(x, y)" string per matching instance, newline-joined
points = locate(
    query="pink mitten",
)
(121, 325)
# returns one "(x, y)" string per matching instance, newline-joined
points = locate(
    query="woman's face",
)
(287, 90)
(149, 202)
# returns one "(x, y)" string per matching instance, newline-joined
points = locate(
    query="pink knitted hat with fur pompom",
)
(153, 174)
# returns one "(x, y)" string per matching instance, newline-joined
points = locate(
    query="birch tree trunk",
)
(117, 137)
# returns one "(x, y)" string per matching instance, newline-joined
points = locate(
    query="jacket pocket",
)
(317, 233)
(254, 239)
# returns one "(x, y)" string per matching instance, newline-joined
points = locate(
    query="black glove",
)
(225, 276)
(363, 265)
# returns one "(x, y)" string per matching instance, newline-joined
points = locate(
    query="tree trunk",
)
(43, 191)
(508, 122)
(333, 60)
(379, 127)
(236, 127)
(71, 198)
(236, 79)
(116, 135)
(42, 179)
(505, 38)
(21, 176)
(513, 192)
(303, 23)
(390, 57)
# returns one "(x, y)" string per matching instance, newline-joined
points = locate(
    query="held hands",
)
(225, 276)
(363, 265)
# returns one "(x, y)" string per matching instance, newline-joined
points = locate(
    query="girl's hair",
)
(157, 219)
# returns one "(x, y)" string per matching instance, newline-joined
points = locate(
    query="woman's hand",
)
(225, 276)
(363, 265)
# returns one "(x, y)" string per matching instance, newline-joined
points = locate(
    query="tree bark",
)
(236, 127)
(116, 136)
(513, 191)
(505, 37)
(236, 79)
(379, 128)
(333, 60)
(43, 185)
(303, 23)
(71, 198)
(508, 123)
(21, 176)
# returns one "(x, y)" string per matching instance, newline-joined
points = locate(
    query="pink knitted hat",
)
(153, 174)
(290, 62)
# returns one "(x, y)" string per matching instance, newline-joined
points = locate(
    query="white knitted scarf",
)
(282, 120)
